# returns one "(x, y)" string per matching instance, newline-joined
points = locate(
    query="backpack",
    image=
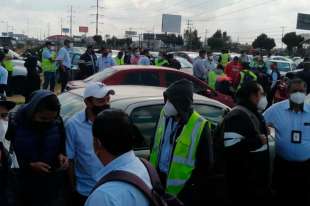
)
(156, 196)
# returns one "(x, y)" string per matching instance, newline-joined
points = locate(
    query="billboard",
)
(83, 29)
(65, 30)
(303, 21)
(171, 23)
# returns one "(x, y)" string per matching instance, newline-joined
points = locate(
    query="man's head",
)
(113, 135)
(136, 52)
(120, 54)
(202, 53)
(236, 60)
(90, 49)
(5, 107)
(46, 112)
(104, 52)
(252, 93)
(97, 97)
(297, 90)
(179, 98)
(274, 66)
(48, 44)
(68, 43)
(210, 55)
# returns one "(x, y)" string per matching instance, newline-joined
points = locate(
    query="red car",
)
(150, 76)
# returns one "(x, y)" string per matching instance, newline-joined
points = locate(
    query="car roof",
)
(278, 61)
(141, 67)
(134, 94)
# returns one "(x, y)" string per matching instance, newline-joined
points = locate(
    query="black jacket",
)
(87, 65)
(305, 75)
(247, 172)
(180, 94)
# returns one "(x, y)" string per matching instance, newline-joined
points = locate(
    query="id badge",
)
(296, 137)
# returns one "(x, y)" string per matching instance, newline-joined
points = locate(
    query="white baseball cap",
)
(97, 90)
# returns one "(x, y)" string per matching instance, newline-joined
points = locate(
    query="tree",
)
(263, 42)
(219, 40)
(292, 40)
(192, 40)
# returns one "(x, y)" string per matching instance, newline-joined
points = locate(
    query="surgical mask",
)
(97, 109)
(170, 110)
(3, 129)
(298, 97)
(137, 53)
(262, 104)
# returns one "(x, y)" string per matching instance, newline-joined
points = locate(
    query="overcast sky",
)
(242, 19)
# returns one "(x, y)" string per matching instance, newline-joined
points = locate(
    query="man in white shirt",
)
(64, 62)
(144, 58)
(105, 61)
(210, 63)
(199, 66)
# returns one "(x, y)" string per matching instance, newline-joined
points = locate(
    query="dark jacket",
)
(247, 172)
(87, 65)
(305, 75)
(197, 188)
(31, 144)
(173, 63)
(33, 81)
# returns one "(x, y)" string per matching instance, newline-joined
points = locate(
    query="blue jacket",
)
(31, 145)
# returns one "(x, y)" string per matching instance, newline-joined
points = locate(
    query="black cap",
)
(7, 104)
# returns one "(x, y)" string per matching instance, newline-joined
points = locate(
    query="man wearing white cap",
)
(79, 144)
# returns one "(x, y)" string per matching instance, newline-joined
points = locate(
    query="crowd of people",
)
(90, 160)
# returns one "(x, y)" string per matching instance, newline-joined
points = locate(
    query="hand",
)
(40, 167)
(263, 139)
(64, 161)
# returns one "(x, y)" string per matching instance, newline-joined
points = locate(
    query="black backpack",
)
(156, 196)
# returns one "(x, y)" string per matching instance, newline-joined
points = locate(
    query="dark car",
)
(150, 76)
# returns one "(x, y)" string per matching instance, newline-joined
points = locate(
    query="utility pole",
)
(206, 38)
(48, 29)
(189, 25)
(282, 27)
(71, 20)
(61, 26)
(97, 15)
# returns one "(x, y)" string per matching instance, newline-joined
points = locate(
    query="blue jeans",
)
(49, 80)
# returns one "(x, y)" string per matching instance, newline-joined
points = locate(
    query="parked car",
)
(189, 56)
(281, 58)
(149, 76)
(186, 66)
(143, 105)
(283, 66)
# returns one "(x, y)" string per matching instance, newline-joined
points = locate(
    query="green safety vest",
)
(119, 61)
(8, 64)
(184, 155)
(161, 62)
(212, 77)
(224, 59)
(242, 76)
(47, 65)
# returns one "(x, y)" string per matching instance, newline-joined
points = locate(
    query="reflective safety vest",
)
(212, 77)
(184, 155)
(224, 59)
(8, 64)
(244, 74)
(119, 61)
(48, 65)
(160, 62)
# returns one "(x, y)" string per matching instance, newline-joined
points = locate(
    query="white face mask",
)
(137, 53)
(170, 110)
(3, 129)
(262, 104)
(298, 97)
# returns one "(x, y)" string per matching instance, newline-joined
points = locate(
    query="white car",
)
(186, 66)
(284, 67)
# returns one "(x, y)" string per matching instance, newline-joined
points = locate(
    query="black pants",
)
(291, 181)
(9, 90)
(64, 77)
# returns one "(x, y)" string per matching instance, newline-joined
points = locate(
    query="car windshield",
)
(70, 104)
(184, 63)
(101, 75)
(284, 67)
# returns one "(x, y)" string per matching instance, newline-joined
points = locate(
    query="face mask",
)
(137, 53)
(97, 109)
(262, 104)
(71, 45)
(298, 97)
(170, 110)
(3, 129)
